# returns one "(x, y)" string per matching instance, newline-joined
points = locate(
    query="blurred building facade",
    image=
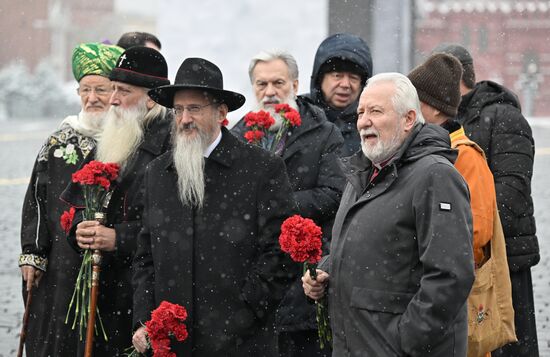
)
(509, 41)
(48, 30)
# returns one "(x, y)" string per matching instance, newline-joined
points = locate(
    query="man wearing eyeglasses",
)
(136, 132)
(47, 262)
(213, 207)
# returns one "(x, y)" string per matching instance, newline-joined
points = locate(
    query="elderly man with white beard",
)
(401, 264)
(213, 208)
(310, 153)
(137, 130)
(46, 257)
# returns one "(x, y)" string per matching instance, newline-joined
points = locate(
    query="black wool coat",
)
(311, 161)
(124, 215)
(221, 262)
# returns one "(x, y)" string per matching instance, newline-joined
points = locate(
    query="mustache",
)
(187, 126)
(365, 132)
(272, 99)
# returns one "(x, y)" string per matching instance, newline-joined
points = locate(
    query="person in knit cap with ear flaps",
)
(47, 261)
(137, 130)
(437, 83)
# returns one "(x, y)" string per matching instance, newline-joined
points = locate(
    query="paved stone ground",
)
(19, 144)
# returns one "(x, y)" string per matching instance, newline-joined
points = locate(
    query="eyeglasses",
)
(99, 91)
(193, 109)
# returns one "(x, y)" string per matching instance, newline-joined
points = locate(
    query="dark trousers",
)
(524, 311)
(301, 344)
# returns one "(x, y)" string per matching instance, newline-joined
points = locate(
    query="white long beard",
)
(188, 155)
(122, 134)
(87, 123)
(383, 150)
(290, 100)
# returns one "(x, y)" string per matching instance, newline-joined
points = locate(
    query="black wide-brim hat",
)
(200, 74)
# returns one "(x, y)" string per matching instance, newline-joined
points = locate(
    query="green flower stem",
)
(322, 314)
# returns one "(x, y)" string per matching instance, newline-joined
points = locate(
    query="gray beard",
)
(290, 100)
(383, 150)
(122, 135)
(188, 156)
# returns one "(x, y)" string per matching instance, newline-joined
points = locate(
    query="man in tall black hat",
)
(213, 207)
(136, 132)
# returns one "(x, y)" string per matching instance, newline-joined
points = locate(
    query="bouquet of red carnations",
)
(302, 239)
(96, 178)
(260, 122)
(166, 321)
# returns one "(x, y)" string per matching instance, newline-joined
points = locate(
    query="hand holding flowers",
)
(302, 239)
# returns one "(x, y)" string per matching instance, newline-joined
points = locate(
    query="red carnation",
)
(282, 108)
(166, 321)
(66, 220)
(301, 238)
(253, 136)
(293, 117)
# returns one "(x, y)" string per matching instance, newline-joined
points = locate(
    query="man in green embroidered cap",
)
(47, 262)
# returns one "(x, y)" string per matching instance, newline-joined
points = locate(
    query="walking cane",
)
(96, 269)
(23, 334)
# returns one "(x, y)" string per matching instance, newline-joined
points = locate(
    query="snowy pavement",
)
(19, 144)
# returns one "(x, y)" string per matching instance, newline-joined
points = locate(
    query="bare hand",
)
(31, 275)
(139, 340)
(315, 289)
(92, 235)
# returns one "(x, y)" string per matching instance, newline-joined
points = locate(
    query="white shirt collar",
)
(212, 146)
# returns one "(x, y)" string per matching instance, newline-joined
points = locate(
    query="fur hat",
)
(437, 82)
(142, 67)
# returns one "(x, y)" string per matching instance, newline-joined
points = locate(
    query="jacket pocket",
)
(379, 300)
(376, 320)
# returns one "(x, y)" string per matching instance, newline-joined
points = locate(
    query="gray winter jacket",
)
(401, 264)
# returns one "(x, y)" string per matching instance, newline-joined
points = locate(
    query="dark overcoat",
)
(124, 215)
(311, 161)
(401, 263)
(221, 262)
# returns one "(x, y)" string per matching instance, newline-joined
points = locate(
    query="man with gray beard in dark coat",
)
(401, 265)
(213, 207)
(310, 155)
(136, 132)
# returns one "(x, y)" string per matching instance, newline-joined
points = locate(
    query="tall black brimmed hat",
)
(198, 73)
(141, 66)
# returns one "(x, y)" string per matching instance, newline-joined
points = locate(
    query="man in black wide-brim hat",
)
(213, 207)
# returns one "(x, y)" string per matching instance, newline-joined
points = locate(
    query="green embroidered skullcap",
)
(94, 58)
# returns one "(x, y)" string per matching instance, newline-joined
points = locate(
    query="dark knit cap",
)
(142, 67)
(437, 82)
(456, 50)
(337, 64)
